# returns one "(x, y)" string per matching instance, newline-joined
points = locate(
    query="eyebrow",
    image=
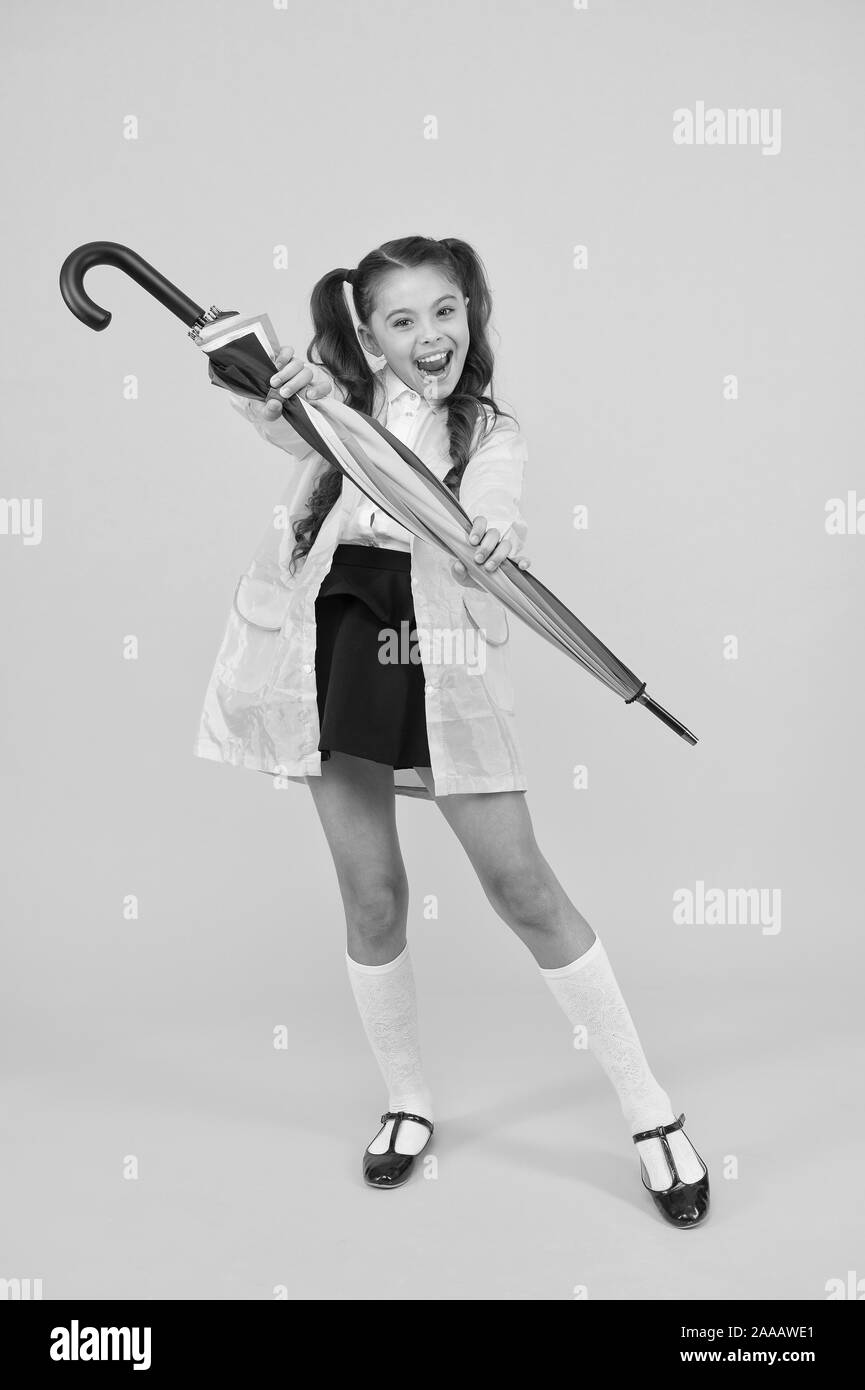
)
(408, 311)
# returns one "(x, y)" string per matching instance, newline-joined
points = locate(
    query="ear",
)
(368, 341)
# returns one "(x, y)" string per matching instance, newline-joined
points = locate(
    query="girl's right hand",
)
(293, 375)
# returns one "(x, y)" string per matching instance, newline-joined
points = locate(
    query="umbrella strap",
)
(636, 694)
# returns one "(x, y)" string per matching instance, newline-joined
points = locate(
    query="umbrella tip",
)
(664, 715)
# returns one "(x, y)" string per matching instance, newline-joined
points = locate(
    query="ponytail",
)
(335, 342)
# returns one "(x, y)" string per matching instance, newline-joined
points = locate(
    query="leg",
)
(354, 798)
(495, 830)
(496, 833)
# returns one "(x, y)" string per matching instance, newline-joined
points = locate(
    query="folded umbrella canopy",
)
(242, 355)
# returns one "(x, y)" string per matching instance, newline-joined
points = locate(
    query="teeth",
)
(432, 361)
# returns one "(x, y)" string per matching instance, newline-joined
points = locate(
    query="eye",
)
(397, 322)
(446, 309)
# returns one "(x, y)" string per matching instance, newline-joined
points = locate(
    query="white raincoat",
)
(260, 709)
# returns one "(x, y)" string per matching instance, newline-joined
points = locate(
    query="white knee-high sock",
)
(589, 995)
(387, 1003)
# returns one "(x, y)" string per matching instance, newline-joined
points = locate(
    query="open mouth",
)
(434, 364)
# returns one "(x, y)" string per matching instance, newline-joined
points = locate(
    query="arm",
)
(278, 431)
(492, 483)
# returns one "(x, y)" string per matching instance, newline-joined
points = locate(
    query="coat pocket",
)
(253, 641)
(490, 617)
(263, 603)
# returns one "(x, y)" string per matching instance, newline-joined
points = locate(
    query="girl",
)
(303, 687)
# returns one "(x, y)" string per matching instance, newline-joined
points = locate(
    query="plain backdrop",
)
(158, 1143)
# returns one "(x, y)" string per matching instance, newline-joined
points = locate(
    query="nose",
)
(431, 334)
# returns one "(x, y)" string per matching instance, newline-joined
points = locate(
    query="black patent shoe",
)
(390, 1169)
(683, 1203)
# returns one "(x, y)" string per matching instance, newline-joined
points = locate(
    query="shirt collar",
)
(394, 385)
(396, 388)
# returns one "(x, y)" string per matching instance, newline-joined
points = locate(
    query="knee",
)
(376, 907)
(525, 897)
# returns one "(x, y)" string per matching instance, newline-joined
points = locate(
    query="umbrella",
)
(242, 353)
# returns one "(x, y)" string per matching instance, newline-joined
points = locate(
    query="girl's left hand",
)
(491, 551)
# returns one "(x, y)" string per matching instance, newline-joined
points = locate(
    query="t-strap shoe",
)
(683, 1203)
(392, 1169)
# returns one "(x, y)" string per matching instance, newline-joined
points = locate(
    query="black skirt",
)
(374, 709)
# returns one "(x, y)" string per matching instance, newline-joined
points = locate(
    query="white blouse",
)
(366, 523)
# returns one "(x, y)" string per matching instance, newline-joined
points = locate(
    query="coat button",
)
(307, 666)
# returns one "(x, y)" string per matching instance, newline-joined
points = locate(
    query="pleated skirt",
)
(367, 706)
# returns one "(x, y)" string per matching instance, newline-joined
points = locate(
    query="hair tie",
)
(349, 278)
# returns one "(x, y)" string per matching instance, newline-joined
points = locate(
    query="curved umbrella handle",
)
(79, 261)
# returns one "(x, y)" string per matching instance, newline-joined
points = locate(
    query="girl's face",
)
(420, 325)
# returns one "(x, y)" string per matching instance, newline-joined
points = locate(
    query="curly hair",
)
(335, 347)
